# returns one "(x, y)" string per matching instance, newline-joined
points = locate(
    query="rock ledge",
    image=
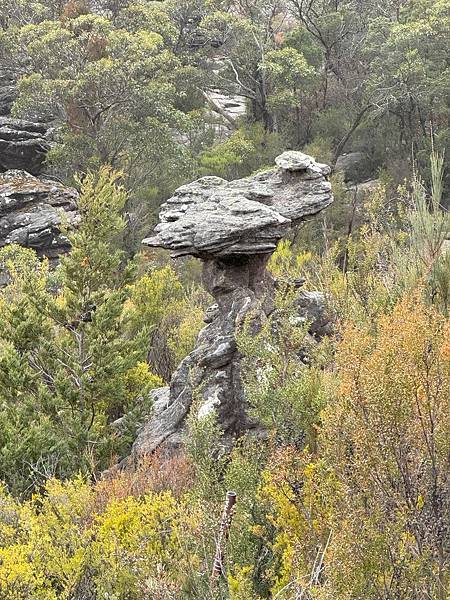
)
(213, 218)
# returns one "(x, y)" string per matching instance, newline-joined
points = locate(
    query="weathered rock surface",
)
(8, 91)
(356, 166)
(234, 228)
(31, 207)
(365, 188)
(228, 107)
(212, 218)
(31, 210)
(23, 145)
(312, 309)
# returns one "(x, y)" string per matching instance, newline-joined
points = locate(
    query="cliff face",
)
(23, 144)
(8, 91)
(233, 227)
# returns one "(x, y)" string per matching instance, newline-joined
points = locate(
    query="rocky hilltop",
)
(233, 227)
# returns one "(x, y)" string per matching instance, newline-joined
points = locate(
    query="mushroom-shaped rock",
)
(233, 227)
(212, 218)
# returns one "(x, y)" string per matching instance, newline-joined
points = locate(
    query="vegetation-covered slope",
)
(342, 489)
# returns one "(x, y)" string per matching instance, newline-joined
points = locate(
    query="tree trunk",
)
(340, 147)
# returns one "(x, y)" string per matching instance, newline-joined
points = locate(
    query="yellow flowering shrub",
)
(386, 434)
(366, 516)
(152, 295)
(297, 492)
(135, 540)
(188, 321)
(359, 514)
(44, 559)
(65, 540)
(285, 263)
(140, 380)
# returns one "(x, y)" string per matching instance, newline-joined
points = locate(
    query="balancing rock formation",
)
(233, 227)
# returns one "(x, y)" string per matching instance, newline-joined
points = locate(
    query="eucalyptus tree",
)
(244, 32)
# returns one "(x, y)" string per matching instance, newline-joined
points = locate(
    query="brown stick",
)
(227, 516)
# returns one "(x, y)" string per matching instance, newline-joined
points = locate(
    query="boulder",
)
(23, 145)
(364, 189)
(233, 227)
(232, 107)
(31, 211)
(313, 310)
(356, 166)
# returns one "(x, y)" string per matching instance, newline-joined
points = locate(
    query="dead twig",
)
(227, 516)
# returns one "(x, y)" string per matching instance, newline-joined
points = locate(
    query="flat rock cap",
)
(212, 217)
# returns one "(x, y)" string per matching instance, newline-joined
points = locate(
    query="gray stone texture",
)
(233, 227)
(31, 212)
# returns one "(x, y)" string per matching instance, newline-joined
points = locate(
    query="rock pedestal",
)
(233, 227)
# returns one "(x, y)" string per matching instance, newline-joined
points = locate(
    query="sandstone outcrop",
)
(212, 218)
(23, 144)
(31, 206)
(233, 227)
(8, 91)
(31, 211)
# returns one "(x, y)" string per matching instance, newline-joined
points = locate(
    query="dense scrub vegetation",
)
(347, 497)
(360, 513)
